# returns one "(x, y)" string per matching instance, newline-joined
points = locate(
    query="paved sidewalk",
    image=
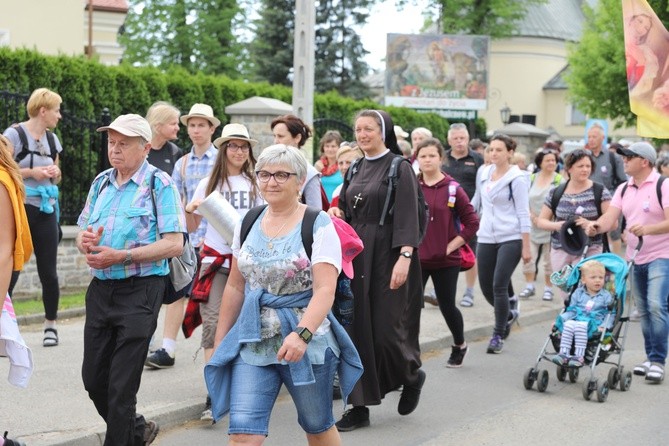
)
(55, 409)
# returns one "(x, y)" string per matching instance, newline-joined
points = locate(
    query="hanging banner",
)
(646, 51)
(437, 71)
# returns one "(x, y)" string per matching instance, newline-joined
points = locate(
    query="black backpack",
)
(658, 191)
(388, 208)
(342, 307)
(25, 151)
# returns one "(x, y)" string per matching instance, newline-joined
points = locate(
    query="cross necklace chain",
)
(270, 243)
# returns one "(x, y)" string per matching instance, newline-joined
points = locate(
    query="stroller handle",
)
(637, 248)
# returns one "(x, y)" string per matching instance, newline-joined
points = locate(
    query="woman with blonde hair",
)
(37, 152)
(345, 156)
(164, 121)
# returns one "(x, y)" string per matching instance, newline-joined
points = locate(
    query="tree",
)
(271, 51)
(496, 18)
(597, 78)
(339, 51)
(194, 34)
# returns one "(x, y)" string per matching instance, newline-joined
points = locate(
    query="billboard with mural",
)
(437, 71)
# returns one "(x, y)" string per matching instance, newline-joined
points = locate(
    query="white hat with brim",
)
(203, 111)
(130, 125)
(399, 131)
(234, 131)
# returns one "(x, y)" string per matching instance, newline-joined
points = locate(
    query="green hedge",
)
(88, 86)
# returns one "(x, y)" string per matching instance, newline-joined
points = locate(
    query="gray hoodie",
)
(504, 211)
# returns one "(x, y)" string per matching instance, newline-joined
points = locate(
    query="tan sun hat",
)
(234, 131)
(201, 111)
(130, 125)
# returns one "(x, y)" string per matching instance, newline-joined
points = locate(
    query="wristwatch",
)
(304, 334)
(406, 254)
(128, 258)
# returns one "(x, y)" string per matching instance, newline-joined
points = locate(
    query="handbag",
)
(467, 257)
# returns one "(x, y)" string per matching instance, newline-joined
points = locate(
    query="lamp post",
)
(505, 114)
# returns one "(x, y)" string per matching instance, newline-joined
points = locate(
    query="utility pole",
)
(303, 60)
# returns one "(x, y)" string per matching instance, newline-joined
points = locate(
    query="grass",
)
(25, 307)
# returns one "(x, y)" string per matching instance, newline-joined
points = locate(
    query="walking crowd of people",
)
(295, 235)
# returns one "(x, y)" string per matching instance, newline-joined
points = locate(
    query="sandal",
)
(50, 337)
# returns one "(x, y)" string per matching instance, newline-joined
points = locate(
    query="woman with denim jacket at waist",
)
(275, 326)
(41, 174)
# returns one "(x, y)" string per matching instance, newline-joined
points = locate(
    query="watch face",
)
(406, 254)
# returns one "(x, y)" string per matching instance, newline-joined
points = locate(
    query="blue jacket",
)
(595, 317)
(217, 373)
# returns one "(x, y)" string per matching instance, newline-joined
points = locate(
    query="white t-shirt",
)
(239, 197)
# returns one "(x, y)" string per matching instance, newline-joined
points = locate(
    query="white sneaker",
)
(642, 368)
(527, 292)
(548, 295)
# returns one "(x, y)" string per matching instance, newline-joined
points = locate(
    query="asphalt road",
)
(485, 403)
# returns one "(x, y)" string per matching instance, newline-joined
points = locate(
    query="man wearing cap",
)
(127, 248)
(187, 173)
(462, 163)
(607, 170)
(645, 206)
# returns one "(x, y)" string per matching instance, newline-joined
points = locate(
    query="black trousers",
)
(121, 316)
(44, 231)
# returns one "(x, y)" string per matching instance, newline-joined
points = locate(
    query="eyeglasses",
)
(280, 176)
(236, 148)
(630, 157)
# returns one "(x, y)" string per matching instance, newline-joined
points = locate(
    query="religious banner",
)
(438, 71)
(647, 63)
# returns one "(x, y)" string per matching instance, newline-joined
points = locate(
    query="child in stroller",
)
(585, 316)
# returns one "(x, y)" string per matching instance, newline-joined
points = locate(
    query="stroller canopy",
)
(612, 263)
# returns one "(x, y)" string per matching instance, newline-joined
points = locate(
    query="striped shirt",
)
(126, 214)
(196, 169)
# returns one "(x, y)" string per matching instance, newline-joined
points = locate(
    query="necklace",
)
(270, 245)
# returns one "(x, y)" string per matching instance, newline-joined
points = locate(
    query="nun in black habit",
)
(387, 284)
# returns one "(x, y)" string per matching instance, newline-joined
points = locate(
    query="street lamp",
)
(505, 114)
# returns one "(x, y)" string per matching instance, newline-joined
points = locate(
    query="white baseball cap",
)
(130, 125)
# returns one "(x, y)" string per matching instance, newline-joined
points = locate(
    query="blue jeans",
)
(650, 284)
(254, 390)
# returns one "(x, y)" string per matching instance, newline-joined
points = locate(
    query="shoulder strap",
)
(307, 229)
(352, 169)
(183, 179)
(557, 179)
(24, 144)
(624, 189)
(52, 144)
(557, 195)
(598, 189)
(612, 160)
(532, 177)
(659, 189)
(392, 183)
(308, 221)
(248, 220)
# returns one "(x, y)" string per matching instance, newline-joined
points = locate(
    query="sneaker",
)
(151, 429)
(431, 298)
(527, 292)
(513, 317)
(655, 373)
(159, 359)
(635, 316)
(353, 418)
(467, 299)
(642, 368)
(10, 442)
(457, 356)
(548, 295)
(496, 344)
(411, 395)
(207, 415)
(576, 361)
(560, 359)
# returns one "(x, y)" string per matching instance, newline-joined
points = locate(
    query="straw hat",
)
(234, 131)
(201, 111)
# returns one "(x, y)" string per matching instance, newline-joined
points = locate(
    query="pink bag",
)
(468, 258)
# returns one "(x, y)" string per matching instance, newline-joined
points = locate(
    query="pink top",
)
(641, 206)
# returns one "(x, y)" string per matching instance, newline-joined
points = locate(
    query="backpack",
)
(597, 189)
(658, 191)
(25, 151)
(388, 209)
(342, 307)
(182, 267)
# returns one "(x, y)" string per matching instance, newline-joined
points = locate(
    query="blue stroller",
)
(601, 346)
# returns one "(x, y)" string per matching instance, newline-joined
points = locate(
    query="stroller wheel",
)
(573, 374)
(588, 388)
(529, 378)
(603, 392)
(613, 378)
(626, 381)
(542, 382)
(561, 373)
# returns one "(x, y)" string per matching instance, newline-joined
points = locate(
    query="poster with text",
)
(437, 71)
